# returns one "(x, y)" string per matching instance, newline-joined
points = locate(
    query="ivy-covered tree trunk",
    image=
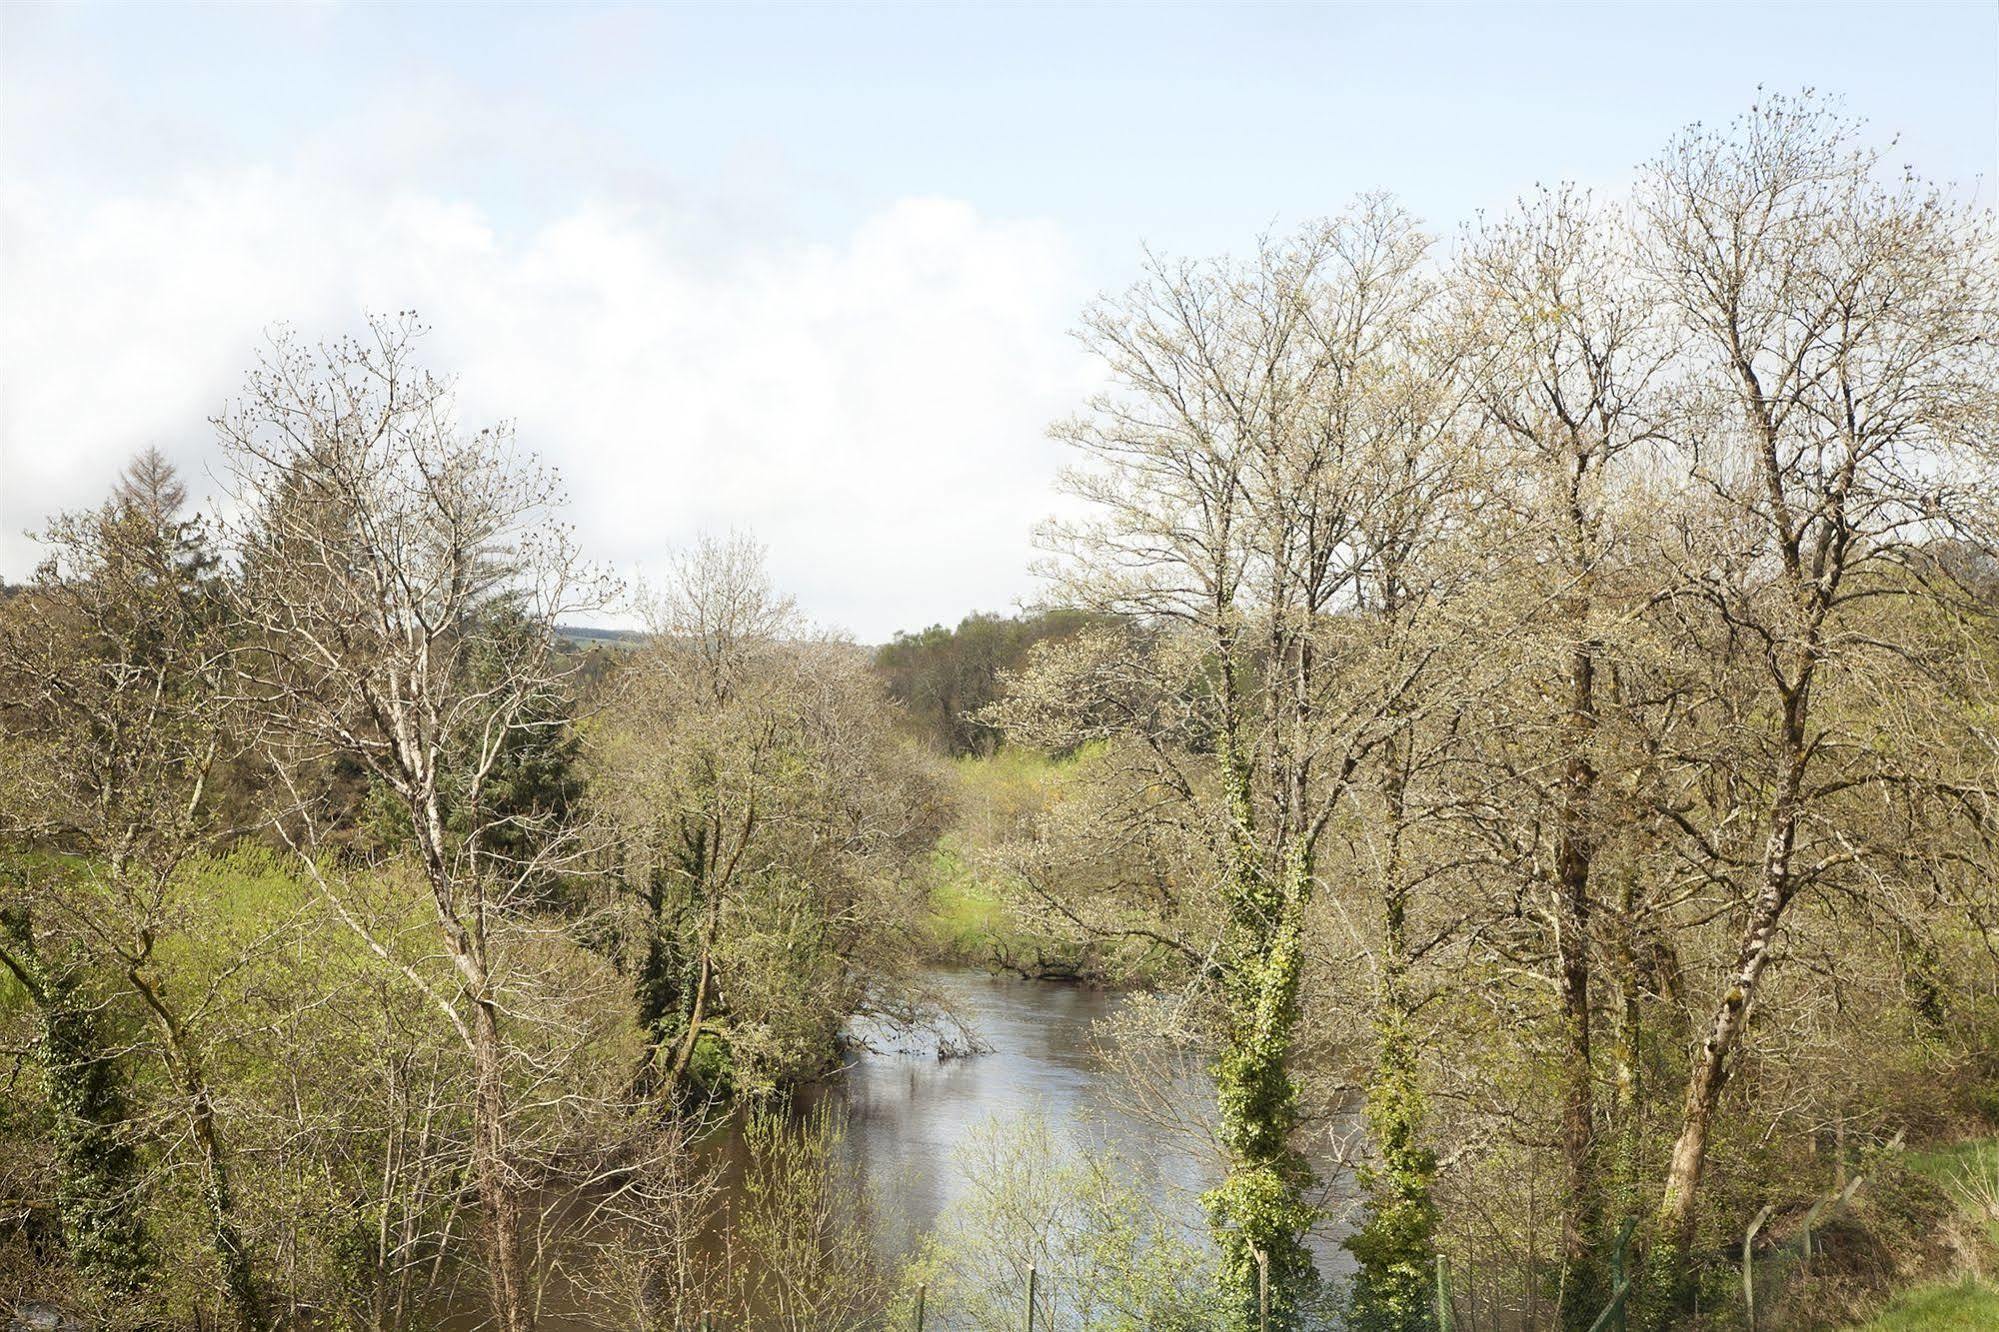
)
(1396, 1249)
(97, 1174)
(658, 983)
(1259, 1212)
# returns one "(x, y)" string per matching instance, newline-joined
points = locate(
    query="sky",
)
(806, 271)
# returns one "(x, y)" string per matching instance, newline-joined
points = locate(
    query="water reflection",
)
(910, 1113)
(909, 1116)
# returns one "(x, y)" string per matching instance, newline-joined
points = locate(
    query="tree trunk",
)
(1259, 1213)
(1396, 1249)
(238, 1279)
(498, 1199)
(1585, 1289)
(239, 1285)
(697, 1014)
(1625, 1055)
(97, 1175)
(657, 986)
(1678, 1203)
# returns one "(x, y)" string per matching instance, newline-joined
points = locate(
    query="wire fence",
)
(1766, 1273)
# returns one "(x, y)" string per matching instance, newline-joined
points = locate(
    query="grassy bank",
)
(996, 798)
(1969, 1172)
(1969, 1305)
(976, 914)
(967, 917)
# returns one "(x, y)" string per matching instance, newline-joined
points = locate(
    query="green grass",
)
(1947, 1164)
(1970, 1171)
(964, 913)
(1967, 1306)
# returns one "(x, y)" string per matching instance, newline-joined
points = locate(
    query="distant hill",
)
(583, 635)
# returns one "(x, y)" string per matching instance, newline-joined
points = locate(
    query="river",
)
(910, 1114)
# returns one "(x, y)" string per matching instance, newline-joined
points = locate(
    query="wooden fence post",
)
(1031, 1274)
(1447, 1317)
(921, 1290)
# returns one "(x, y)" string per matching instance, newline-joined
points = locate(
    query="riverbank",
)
(980, 911)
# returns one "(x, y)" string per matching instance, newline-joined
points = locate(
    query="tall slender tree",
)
(380, 540)
(1842, 374)
(1565, 361)
(116, 667)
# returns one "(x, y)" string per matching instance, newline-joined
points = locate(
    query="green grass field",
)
(1967, 1306)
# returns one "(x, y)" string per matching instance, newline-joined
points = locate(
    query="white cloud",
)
(873, 409)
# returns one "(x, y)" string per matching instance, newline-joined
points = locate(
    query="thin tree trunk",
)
(1679, 1201)
(1625, 1054)
(498, 1198)
(238, 1278)
(696, 1015)
(239, 1284)
(1582, 1218)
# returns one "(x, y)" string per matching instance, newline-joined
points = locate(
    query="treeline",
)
(369, 949)
(946, 678)
(1557, 722)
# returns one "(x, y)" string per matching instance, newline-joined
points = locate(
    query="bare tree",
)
(1259, 483)
(1842, 370)
(401, 580)
(1565, 360)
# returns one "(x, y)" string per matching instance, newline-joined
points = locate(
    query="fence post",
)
(1447, 1317)
(1749, 1265)
(1619, 1280)
(1031, 1274)
(921, 1289)
(1262, 1290)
